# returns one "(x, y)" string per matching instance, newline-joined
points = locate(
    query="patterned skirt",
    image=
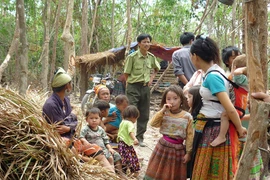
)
(129, 157)
(166, 162)
(213, 163)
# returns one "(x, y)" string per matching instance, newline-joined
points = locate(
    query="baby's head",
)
(93, 117)
(121, 102)
(131, 113)
(103, 106)
(239, 61)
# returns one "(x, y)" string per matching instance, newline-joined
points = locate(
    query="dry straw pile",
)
(31, 149)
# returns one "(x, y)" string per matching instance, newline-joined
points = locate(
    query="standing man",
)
(183, 67)
(137, 72)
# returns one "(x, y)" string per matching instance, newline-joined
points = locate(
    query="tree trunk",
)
(68, 39)
(56, 26)
(258, 121)
(23, 52)
(233, 23)
(13, 47)
(45, 55)
(263, 39)
(138, 19)
(93, 24)
(84, 47)
(129, 29)
(112, 22)
(243, 29)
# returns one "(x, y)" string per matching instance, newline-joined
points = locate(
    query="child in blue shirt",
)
(112, 127)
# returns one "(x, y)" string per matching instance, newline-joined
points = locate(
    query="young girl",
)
(126, 138)
(194, 100)
(170, 156)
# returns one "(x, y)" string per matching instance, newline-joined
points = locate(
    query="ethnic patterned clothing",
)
(175, 126)
(166, 162)
(129, 157)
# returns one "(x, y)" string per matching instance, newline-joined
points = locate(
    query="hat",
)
(99, 87)
(60, 78)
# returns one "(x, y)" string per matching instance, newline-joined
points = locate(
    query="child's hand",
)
(113, 115)
(186, 158)
(111, 150)
(242, 132)
(166, 107)
(136, 142)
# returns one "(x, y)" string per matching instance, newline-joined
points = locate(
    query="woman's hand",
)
(62, 129)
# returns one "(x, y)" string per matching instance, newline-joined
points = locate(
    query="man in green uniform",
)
(137, 71)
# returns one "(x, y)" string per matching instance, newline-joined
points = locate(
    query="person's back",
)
(183, 67)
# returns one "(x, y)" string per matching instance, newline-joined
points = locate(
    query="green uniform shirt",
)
(138, 67)
(125, 128)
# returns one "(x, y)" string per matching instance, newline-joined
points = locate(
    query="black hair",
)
(101, 105)
(227, 52)
(120, 99)
(186, 37)
(143, 36)
(93, 110)
(206, 48)
(179, 92)
(196, 101)
(131, 112)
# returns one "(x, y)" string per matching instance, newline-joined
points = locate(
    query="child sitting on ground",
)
(112, 127)
(104, 107)
(239, 78)
(93, 133)
(126, 138)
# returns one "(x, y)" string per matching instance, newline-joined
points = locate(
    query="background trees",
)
(98, 25)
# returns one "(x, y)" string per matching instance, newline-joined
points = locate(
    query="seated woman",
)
(112, 127)
(57, 110)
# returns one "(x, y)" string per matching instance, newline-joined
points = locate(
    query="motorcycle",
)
(90, 96)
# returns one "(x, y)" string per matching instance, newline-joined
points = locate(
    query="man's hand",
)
(62, 129)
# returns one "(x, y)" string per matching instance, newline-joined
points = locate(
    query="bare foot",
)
(219, 140)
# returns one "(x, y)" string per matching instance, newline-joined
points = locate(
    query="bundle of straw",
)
(32, 149)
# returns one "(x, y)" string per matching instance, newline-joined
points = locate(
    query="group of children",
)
(106, 123)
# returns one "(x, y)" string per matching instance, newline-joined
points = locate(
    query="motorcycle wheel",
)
(88, 101)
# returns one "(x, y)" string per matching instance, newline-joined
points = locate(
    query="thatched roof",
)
(97, 59)
(115, 56)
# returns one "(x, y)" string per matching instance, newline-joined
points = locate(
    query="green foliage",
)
(165, 20)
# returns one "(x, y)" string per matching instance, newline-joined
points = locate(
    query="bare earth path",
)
(151, 137)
